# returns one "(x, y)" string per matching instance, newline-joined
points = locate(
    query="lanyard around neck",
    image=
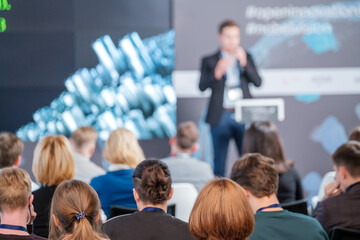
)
(153, 209)
(270, 206)
(13, 227)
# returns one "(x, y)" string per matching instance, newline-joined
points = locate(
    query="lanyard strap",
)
(153, 209)
(351, 186)
(13, 227)
(270, 206)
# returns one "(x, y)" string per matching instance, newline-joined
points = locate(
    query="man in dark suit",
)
(227, 73)
(341, 205)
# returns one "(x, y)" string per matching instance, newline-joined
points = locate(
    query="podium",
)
(260, 109)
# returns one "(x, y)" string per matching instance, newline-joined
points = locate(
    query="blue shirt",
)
(232, 90)
(115, 188)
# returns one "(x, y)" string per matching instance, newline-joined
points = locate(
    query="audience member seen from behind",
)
(183, 167)
(258, 175)
(152, 190)
(263, 138)
(11, 149)
(221, 212)
(355, 134)
(83, 142)
(124, 153)
(52, 163)
(16, 207)
(341, 205)
(75, 212)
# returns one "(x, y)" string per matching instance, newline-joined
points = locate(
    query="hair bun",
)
(155, 183)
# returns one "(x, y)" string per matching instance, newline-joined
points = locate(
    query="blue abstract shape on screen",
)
(311, 184)
(357, 110)
(321, 43)
(330, 134)
(131, 87)
(307, 98)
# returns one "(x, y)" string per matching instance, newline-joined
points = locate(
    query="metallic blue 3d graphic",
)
(130, 87)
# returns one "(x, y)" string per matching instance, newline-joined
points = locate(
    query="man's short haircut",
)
(15, 188)
(257, 174)
(355, 134)
(348, 156)
(227, 23)
(83, 136)
(11, 147)
(187, 135)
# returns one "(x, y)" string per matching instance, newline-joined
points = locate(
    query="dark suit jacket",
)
(42, 202)
(342, 210)
(208, 80)
(147, 225)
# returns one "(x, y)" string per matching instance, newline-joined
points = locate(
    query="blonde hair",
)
(83, 136)
(53, 161)
(221, 212)
(123, 147)
(71, 198)
(15, 188)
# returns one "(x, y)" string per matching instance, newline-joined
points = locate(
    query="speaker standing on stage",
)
(227, 73)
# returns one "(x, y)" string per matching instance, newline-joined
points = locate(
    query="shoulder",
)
(44, 190)
(304, 220)
(98, 180)
(211, 57)
(35, 237)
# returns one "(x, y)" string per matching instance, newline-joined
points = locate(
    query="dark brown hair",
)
(72, 197)
(187, 135)
(11, 147)
(152, 181)
(348, 156)
(221, 212)
(355, 134)
(257, 174)
(263, 138)
(227, 23)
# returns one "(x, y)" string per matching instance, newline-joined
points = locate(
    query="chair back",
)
(183, 198)
(340, 233)
(299, 206)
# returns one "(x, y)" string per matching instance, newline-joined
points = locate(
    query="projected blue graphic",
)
(131, 87)
(330, 134)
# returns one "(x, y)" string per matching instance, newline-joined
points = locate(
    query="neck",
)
(18, 218)
(226, 51)
(176, 149)
(257, 203)
(142, 205)
(83, 153)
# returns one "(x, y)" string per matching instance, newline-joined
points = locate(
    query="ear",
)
(98, 216)
(343, 171)
(195, 148)
(171, 193)
(248, 194)
(31, 200)
(17, 162)
(56, 220)
(172, 141)
(92, 149)
(136, 195)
